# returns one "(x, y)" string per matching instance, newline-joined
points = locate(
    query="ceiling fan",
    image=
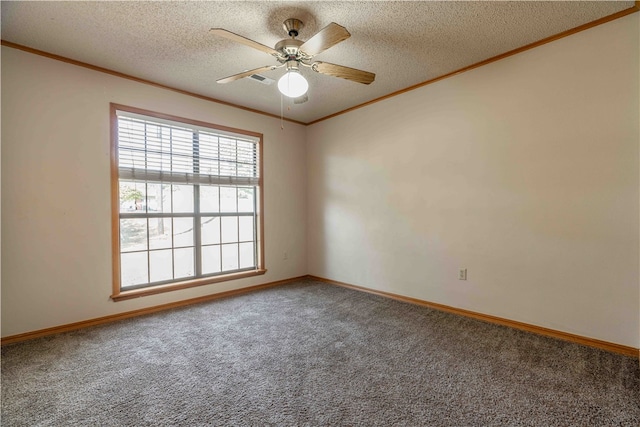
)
(293, 53)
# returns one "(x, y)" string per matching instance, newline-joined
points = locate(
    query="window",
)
(187, 200)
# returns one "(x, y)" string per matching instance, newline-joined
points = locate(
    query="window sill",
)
(153, 290)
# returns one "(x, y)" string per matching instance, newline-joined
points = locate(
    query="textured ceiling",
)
(403, 43)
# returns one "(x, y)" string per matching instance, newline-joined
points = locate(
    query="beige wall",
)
(524, 171)
(56, 241)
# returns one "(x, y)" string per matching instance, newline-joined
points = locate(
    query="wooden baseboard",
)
(141, 312)
(591, 342)
(604, 345)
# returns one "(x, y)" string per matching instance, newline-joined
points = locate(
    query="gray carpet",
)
(313, 354)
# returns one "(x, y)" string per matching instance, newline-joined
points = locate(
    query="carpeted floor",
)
(313, 354)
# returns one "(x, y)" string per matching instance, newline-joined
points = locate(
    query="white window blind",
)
(161, 151)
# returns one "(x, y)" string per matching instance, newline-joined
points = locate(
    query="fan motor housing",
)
(289, 47)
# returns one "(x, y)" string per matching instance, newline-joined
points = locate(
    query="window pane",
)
(210, 230)
(153, 139)
(228, 199)
(209, 154)
(245, 199)
(129, 131)
(227, 169)
(132, 197)
(182, 232)
(133, 269)
(159, 233)
(161, 265)
(230, 257)
(209, 166)
(132, 158)
(183, 262)
(182, 198)
(182, 150)
(159, 197)
(209, 199)
(246, 226)
(211, 259)
(246, 159)
(133, 234)
(230, 229)
(247, 255)
(227, 156)
(158, 148)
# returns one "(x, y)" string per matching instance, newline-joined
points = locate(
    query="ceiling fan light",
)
(293, 84)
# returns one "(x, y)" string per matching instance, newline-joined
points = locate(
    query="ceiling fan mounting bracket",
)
(292, 26)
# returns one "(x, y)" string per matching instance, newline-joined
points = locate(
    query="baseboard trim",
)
(141, 312)
(591, 342)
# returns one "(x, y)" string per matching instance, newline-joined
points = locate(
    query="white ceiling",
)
(403, 43)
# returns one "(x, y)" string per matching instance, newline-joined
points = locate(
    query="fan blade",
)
(329, 36)
(343, 72)
(245, 41)
(301, 99)
(246, 74)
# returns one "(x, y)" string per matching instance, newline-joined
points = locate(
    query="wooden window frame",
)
(117, 293)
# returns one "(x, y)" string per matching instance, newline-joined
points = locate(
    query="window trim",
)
(119, 294)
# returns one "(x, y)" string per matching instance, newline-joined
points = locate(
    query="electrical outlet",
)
(462, 274)
(285, 255)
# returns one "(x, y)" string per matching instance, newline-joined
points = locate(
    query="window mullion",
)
(146, 208)
(255, 155)
(145, 201)
(255, 226)
(173, 225)
(197, 222)
(237, 218)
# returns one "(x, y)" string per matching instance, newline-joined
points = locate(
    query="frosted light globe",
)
(293, 84)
